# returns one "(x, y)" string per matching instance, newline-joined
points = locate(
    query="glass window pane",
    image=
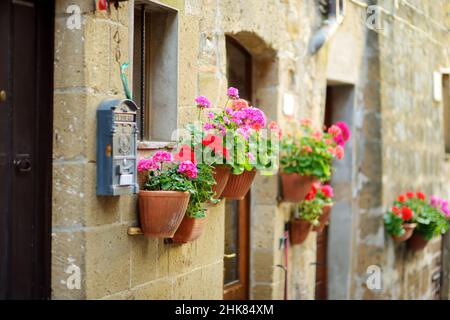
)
(231, 258)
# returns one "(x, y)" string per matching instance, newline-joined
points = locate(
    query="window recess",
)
(155, 69)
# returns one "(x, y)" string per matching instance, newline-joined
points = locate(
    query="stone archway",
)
(266, 223)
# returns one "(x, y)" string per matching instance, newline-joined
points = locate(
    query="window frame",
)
(148, 67)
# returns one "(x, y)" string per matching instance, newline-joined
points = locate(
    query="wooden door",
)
(237, 212)
(236, 257)
(321, 265)
(26, 81)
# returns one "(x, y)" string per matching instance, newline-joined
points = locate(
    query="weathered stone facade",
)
(397, 144)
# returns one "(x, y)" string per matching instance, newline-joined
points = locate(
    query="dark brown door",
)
(237, 212)
(26, 79)
(321, 265)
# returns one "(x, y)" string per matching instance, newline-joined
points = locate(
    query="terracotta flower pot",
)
(409, 228)
(299, 230)
(238, 185)
(324, 218)
(161, 212)
(417, 242)
(221, 175)
(189, 230)
(295, 187)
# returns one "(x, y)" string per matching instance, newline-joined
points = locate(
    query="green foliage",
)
(430, 221)
(295, 159)
(393, 224)
(202, 191)
(168, 179)
(311, 210)
(200, 188)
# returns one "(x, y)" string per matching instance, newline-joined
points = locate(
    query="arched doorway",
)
(252, 67)
(237, 212)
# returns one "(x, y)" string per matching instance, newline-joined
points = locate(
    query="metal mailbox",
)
(116, 147)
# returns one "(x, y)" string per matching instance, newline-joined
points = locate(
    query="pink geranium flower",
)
(255, 118)
(317, 135)
(339, 152)
(344, 129)
(162, 156)
(233, 93)
(202, 102)
(188, 168)
(328, 191)
(209, 126)
(240, 104)
(147, 165)
(343, 134)
(334, 130)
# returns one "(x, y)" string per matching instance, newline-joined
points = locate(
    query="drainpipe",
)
(335, 16)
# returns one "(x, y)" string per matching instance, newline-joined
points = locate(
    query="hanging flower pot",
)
(238, 185)
(161, 212)
(417, 242)
(409, 228)
(295, 187)
(324, 218)
(299, 230)
(190, 229)
(221, 176)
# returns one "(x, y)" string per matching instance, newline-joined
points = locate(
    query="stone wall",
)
(90, 232)
(404, 148)
(397, 144)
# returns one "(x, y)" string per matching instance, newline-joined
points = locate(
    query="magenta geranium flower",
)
(209, 126)
(162, 156)
(146, 165)
(327, 190)
(233, 93)
(188, 168)
(344, 134)
(202, 102)
(344, 129)
(255, 118)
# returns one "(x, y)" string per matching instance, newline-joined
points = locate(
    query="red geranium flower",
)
(407, 213)
(401, 198)
(396, 210)
(410, 194)
(312, 193)
(310, 196)
(420, 195)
